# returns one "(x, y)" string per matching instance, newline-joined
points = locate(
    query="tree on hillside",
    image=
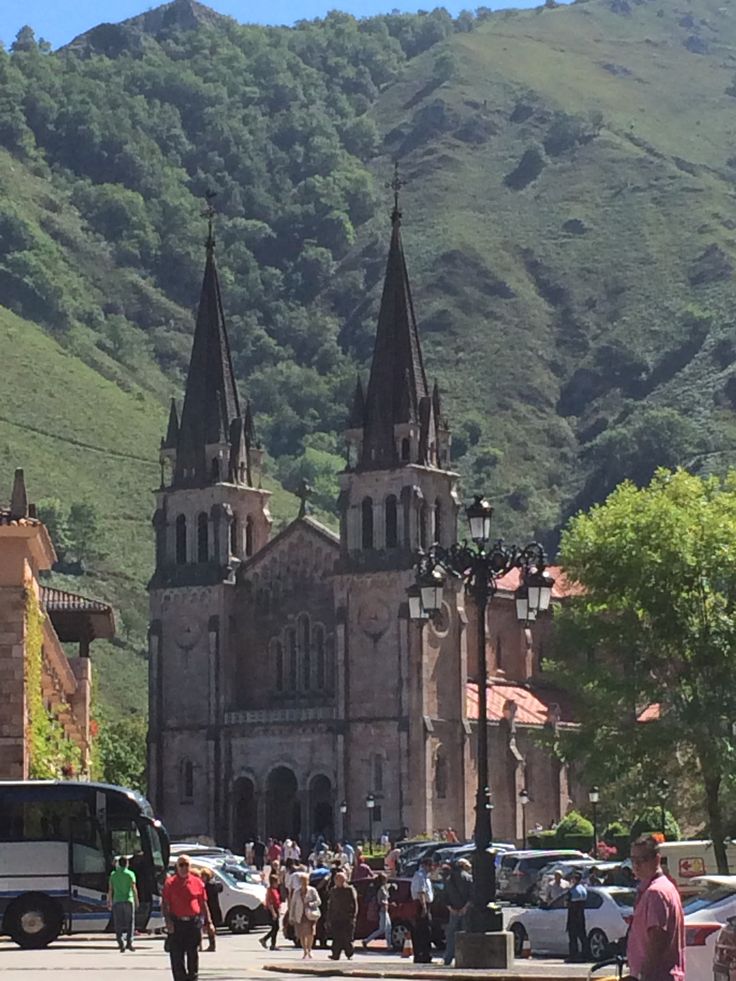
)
(655, 626)
(83, 526)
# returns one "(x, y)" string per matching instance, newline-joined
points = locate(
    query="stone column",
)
(14, 759)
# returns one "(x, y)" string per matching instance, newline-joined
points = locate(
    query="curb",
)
(422, 973)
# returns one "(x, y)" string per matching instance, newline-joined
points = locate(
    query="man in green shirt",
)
(122, 899)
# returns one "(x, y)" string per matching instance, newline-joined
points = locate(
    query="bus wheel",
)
(33, 921)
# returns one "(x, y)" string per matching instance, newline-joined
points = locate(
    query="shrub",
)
(650, 822)
(574, 831)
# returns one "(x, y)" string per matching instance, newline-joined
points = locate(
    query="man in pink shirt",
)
(656, 945)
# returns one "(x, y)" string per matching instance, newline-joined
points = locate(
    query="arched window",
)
(423, 522)
(438, 521)
(305, 640)
(186, 774)
(392, 527)
(277, 652)
(160, 524)
(319, 654)
(203, 538)
(440, 777)
(215, 469)
(367, 515)
(330, 663)
(249, 536)
(181, 540)
(293, 664)
(405, 449)
(216, 533)
(234, 550)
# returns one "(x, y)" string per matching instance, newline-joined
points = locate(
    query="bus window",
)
(125, 839)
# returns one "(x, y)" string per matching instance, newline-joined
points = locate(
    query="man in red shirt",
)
(184, 903)
(656, 945)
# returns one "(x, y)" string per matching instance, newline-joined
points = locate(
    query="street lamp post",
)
(523, 800)
(663, 788)
(343, 818)
(479, 564)
(594, 797)
(370, 803)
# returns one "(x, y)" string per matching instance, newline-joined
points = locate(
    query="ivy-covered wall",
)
(51, 754)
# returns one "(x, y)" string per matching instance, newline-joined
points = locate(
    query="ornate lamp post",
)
(524, 799)
(370, 803)
(479, 563)
(663, 789)
(343, 818)
(594, 797)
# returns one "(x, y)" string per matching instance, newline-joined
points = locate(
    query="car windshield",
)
(715, 894)
(625, 898)
(241, 874)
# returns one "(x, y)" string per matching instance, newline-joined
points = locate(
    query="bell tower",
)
(398, 494)
(211, 515)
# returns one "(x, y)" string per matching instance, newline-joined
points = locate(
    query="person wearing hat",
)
(459, 893)
(422, 892)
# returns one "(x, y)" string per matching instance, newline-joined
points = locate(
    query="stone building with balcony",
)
(44, 694)
(287, 683)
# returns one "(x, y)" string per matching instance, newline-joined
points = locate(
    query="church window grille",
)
(367, 515)
(277, 651)
(305, 640)
(181, 540)
(405, 449)
(187, 781)
(392, 529)
(234, 550)
(216, 535)
(378, 774)
(438, 521)
(423, 522)
(440, 777)
(215, 470)
(203, 538)
(249, 536)
(319, 653)
(293, 661)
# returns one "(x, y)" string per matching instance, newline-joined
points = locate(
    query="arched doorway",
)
(283, 813)
(245, 813)
(321, 814)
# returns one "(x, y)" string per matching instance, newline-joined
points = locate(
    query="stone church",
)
(287, 684)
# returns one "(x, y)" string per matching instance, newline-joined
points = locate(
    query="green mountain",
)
(568, 219)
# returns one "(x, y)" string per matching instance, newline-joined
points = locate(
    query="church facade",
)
(287, 683)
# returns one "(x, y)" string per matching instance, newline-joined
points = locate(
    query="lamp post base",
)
(484, 950)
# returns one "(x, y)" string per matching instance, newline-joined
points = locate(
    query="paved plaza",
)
(237, 957)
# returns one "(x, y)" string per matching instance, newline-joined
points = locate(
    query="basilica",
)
(288, 687)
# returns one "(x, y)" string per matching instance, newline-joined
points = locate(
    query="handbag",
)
(312, 910)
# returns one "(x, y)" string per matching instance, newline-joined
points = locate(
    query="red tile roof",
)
(532, 707)
(5, 519)
(562, 587)
(56, 600)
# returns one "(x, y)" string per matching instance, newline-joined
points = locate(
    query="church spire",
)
(398, 383)
(211, 404)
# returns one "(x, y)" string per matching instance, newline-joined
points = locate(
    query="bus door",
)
(88, 874)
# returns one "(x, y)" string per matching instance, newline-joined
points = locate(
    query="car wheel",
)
(238, 920)
(519, 937)
(34, 921)
(399, 933)
(598, 945)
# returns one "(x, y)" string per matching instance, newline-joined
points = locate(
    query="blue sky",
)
(60, 20)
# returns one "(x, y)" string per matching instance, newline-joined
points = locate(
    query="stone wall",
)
(13, 752)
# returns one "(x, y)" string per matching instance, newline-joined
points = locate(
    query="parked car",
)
(411, 856)
(705, 915)
(452, 853)
(608, 912)
(519, 871)
(607, 872)
(401, 907)
(241, 900)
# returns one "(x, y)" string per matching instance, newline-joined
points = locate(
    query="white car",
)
(608, 911)
(705, 914)
(243, 894)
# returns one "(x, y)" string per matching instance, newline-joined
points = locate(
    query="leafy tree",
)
(655, 627)
(650, 821)
(445, 66)
(55, 516)
(83, 526)
(120, 752)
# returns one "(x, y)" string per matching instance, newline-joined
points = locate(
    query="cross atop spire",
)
(395, 185)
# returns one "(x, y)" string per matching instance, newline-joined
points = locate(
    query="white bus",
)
(58, 843)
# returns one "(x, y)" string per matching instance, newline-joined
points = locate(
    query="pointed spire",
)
(211, 399)
(357, 413)
(397, 382)
(172, 430)
(19, 497)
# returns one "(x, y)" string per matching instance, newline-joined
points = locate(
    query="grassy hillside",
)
(569, 225)
(82, 438)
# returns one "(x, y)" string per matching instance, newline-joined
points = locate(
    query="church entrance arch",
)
(321, 814)
(283, 813)
(245, 813)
